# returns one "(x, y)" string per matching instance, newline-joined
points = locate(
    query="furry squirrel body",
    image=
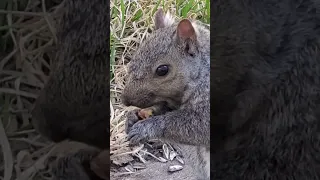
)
(173, 66)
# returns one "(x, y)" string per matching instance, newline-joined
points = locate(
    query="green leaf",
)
(113, 13)
(186, 8)
(123, 9)
(137, 15)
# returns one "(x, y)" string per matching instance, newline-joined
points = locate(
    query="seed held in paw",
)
(145, 113)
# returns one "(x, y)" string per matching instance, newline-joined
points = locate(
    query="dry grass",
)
(131, 23)
(27, 49)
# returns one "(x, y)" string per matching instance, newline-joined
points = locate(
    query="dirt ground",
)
(159, 171)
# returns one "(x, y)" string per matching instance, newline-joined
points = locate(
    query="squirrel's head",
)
(164, 64)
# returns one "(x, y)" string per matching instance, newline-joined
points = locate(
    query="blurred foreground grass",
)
(27, 48)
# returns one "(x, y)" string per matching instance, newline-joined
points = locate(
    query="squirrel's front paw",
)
(132, 118)
(141, 132)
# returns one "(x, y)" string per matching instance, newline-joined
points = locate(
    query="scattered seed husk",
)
(179, 159)
(177, 148)
(161, 159)
(141, 158)
(175, 168)
(172, 155)
(170, 146)
(129, 168)
(166, 151)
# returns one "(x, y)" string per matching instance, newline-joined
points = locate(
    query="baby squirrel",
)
(173, 67)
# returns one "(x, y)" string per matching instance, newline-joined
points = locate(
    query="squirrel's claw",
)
(139, 133)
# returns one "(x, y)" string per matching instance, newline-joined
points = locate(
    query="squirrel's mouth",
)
(169, 102)
(151, 100)
(167, 105)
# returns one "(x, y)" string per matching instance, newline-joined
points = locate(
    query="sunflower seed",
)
(162, 159)
(175, 168)
(129, 168)
(179, 158)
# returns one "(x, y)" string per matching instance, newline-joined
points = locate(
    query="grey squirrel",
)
(74, 104)
(172, 67)
(265, 90)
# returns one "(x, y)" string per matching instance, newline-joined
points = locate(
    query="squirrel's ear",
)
(162, 20)
(185, 30)
(186, 33)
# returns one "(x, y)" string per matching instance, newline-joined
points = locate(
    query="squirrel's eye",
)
(162, 70)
